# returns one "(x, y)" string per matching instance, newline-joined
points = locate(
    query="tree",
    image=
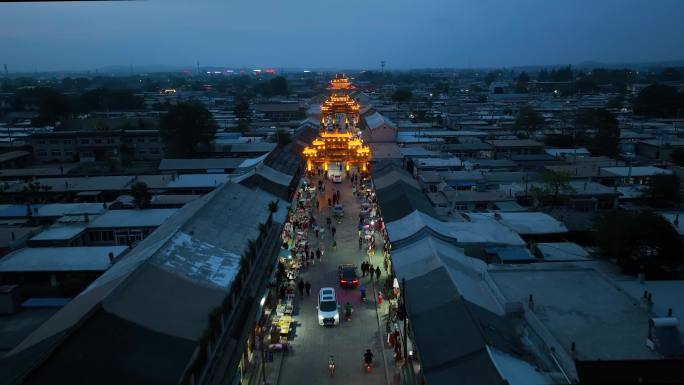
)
(671, 75)
(528, 120)
(553, 185)
(664, 189)
(186, 126)
(402, 95)
(242, 113)
(141, 195)
(279, 86)
(616, 101)
(491, 77)
(34, 191)
(658, 101)
(607, 129)
(53, 106)
(112, 100)
(521, 82)
(282, 137)
(642, 242)
(677, 156)
(273, 206)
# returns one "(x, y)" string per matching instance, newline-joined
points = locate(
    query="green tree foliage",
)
(528, 121)
(664, 190)
(563, 74)
(185, 127)
(521, 82)
(554, 184)
(640, 242)
(53, 105)
(585, 84)
(659, 101)
(102, 99)
(242, 113)
(279, 86)
(671, 75)
(141, 195)
(283, 138)
(618, 78)
(402, 95)
(677, 157)
(607, 136)
(33, 192)
(543, 75)
(491, 77)
(617, 101)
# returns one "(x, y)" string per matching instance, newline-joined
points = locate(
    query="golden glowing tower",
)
(339, 140)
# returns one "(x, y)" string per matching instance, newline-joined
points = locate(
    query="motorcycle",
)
(331, 366)
(367, 366)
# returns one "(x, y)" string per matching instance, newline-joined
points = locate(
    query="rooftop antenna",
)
(382, 66)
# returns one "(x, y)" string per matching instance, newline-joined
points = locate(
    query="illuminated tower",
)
(339, 138)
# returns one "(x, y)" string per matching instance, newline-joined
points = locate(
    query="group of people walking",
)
(368, 269)
(304, 286)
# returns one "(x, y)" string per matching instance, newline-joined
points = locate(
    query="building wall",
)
(69, 147)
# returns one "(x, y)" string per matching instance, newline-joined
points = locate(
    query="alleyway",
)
(313, 344)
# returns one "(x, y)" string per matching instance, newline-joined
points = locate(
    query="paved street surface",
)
(307, 362)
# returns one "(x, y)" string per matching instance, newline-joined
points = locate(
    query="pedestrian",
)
(333, 231)
(363, 268)
(312, 257)
(334, 246)
(306, 249)
(360, 243)
(300, 286)
(318, 254)
(308, 288)
(377, 273)
(380, 298)
(329, 202)
(316, 230)
(317, 204)
(328, 221)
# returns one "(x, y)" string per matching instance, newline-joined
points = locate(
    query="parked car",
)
(337, 178)
(328, 309)
(348, 275)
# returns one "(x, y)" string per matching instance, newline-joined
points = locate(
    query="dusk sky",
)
(338, 34)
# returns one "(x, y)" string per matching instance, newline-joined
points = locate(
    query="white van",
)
(328, 309)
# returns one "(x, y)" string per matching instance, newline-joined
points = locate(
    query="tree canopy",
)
(664, 189)
(185, 127)
(282, 137)
(141, 195)
(112, 100)
(607, 129)
(553, 185)
(402, 95)
(242, 113)
(528, 120)
(658, 101)
(640, 242)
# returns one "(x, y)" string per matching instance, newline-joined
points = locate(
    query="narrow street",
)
(311, 344)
